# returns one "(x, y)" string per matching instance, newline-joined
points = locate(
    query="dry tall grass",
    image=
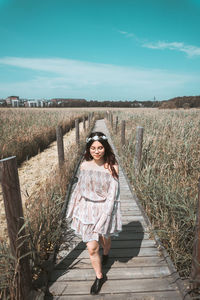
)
(26, 131)
(167, 184)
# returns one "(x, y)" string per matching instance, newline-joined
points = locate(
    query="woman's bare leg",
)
(106, 244)
(93, 249)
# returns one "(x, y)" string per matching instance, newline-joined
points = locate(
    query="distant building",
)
(34, 103)
(40, 103)
(30, 103)
(12, 101)
(2, 102)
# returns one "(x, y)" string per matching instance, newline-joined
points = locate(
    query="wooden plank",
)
(130, 244)
(113, 286)
(128, 200)
(133, 218)
(137, 261)
(134, 226)
(118, 253)
(164, 295)
(130, 206)
(117, 273)
(123, 236)
(121, 244)
(125, 192)
(129, 222)
(131, 235)
(126, 195)
(131, 213)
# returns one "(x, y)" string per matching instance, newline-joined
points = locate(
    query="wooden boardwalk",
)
(136, 268)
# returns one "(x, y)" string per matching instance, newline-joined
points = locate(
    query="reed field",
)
(25, 131)
(167, 185)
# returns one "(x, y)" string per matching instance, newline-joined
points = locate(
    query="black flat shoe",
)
(95, 288)
(104, 259)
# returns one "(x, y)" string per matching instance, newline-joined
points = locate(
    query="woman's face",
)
(97, 150)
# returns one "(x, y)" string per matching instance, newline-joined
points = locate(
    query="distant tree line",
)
(177, 102)
(181, 102)
(107, 103)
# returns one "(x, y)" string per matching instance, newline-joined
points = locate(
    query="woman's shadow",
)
(123, 248)
(126, 246)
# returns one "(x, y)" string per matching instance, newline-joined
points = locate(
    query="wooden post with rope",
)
(123, 127)
(116, 124)
(84, 127)
(111, 120)
(138, 149)
(60, 146)
(195, 273)
(15, 223)
(89, 120)
(77, 132)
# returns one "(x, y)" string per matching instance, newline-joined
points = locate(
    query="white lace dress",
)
(94, 206)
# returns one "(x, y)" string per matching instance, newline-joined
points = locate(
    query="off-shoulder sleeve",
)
(75, 197)
(104, 220)
(112, 196)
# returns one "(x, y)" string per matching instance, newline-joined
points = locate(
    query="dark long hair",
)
(109, 156)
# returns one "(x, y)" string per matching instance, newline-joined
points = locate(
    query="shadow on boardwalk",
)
(123, 248)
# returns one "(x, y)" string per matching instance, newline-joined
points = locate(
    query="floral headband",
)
(96, 138)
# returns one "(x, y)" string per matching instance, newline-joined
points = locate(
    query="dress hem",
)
(114, 234)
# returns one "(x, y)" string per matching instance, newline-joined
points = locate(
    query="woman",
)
(94, 206)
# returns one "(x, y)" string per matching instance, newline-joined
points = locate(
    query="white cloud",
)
(190, 50)
(72, 78)
(126, 34)
(179, 46)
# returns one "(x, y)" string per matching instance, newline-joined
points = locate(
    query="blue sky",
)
(100, 49)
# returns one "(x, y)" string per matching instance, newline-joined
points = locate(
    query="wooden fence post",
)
(123, 132)
(138, 149)
(111, 120)
(89, 121)
(195, 273)
(15, 224)
(60, 147)
(84, 124)
(77, 132)
(116, 125)
(110, 116)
